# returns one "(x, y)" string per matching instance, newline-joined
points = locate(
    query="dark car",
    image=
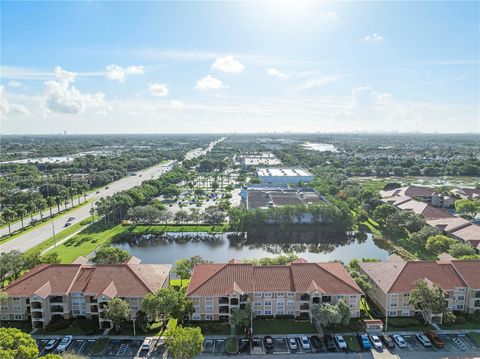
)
(316, 343)
(387, 340)
(68, 224)
(268, 342)
(330, 343)
(435, 339)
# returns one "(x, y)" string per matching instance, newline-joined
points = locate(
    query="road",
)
(44, 231)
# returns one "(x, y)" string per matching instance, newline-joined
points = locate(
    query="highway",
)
(44, 231)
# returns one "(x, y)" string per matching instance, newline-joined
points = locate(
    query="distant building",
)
(278, 290)
(467, 193)
(425, 194)
(283, 175)
(80, 290)
(260, 159)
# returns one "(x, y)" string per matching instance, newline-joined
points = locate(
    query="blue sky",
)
(116, 67)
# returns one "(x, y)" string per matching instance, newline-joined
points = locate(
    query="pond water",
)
(320, 147)
(313, 246)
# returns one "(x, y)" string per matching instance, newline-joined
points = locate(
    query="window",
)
(291, 302)
(197, 308)
(292, 294)
(196, 316)
(460, 306)
(392, 313)
(17, 307)
(209, 307)
(268, 303)
(258, 303)
(17, 317)
(405, 313)
(340, 297)
(460, 289)
(5, 317)
(268, 312)
(134, 307)
(268, 294)
(280, 303)
(209, 299)
(208, 317)
(16, 299)
(280, 312)
(195, 299)
(76, 312)
(290, 312)
(258, 312)
(4, 307)
(280, 295)
(461, 297)
(258, 295)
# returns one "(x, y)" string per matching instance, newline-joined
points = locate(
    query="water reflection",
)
(313, 246)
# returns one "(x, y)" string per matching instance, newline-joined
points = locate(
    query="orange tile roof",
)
(469, 270)
(127, 279)
(220, 279)
(397, 277)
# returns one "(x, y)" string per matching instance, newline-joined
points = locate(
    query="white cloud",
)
(228, 64)
(178, 105)
(62, 97)
(119, 73)
(317, 81)
(329, 16)
(276, 73)
(7, 107)
(158, 89)
(209, 83)
(19, 109)
(4, 104)
(373, 38)
(13, 83)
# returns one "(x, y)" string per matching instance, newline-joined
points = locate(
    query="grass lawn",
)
(282, 326)
(397, 324)
(475, 337)
(176, 283)
(467, 325)
(212, 328)
(352, 343)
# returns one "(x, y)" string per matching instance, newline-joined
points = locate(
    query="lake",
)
(320, 147)
(313, 246)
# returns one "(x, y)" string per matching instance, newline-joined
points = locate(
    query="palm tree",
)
(21, 212)
(31, 208)
(41, 203)
(8, 215)
(50, 203)
(58, 201)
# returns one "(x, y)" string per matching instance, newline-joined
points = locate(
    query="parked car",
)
(107, 187)
(330, 342)
(268, 342)
(292, 344)
(68, 224)
(423, 339)
(70, 219)
(377, 343)
(435, 339)
(146, 344)
(305, 343)
(97, 192)
(316, 342)
(387, 340)
(364, 341)
(51, 344)
(397, 338)
(342, 344)
(64, 343)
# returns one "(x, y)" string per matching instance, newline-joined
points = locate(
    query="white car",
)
(422, 338)
(292, 344)
(51, 344)
(64, 344)
(400, 341)
(341, 343)
(146, 344)
(304, 342)
(377, 343)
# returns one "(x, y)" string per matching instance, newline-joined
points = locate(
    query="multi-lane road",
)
(44, 231)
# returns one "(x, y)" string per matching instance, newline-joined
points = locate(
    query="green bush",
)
(448, 319)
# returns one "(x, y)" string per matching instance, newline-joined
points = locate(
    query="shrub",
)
(448, 319)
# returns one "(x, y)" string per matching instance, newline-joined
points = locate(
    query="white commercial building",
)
(283, 175)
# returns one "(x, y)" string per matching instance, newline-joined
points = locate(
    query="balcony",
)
(223, 300)
(223, 309)
(243, 297)
(316, 300)
(477, 294)
(326, 299)
(477, 303)
(56, 299)
(305, 297)
(37, 315)
(304, 306)
(93, 299)
(36, 306)
(94, 308)
(56, 309)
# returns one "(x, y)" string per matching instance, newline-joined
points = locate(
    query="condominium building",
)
(393, 280)
(280, 290)
(80, 290)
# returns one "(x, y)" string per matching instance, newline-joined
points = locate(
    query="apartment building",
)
(424, 194)
(80, 290)
(281, 290)
(393, 280)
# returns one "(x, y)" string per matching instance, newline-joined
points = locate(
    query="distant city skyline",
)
(211, 67)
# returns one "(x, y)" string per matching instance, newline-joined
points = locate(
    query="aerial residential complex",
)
(80, 290)
(280, 290)
(283, 175)
(394, 279)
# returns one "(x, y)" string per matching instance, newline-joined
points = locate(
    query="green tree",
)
(327, 314)
(182, 269)
(459, 250)
(448, 318)
(344, 310)
(241, 317)
(21, 212)
(111, 255)
(8, 215)
(184, 343)
(11, 265)
(167, 302)
(118, 311)
(467, 207)
(15, 344)
(428, 299)
(438, 244)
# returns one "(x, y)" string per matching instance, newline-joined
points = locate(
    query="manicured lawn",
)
(352, 343)
(176, 283)
(466, 325)
(396, 324)
(282, 326)
(212, 328)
